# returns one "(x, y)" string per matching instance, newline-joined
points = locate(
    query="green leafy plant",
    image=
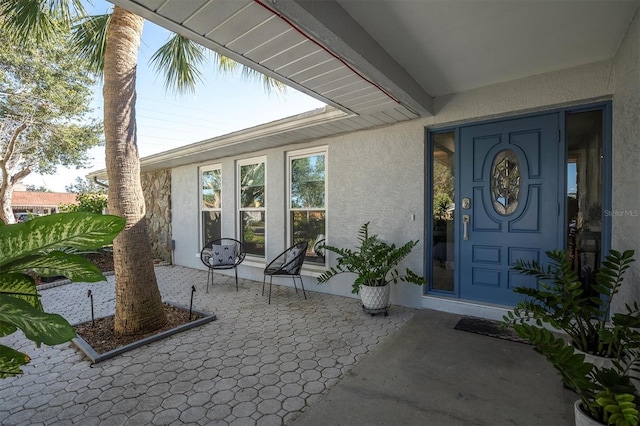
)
(618, 409)
(374, 261)
(87, 202)
(561, 302)
(36, 247)
(607, 393)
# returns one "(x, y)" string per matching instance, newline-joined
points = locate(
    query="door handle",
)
(465, 225)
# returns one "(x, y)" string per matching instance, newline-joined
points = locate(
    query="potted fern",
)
(603, 356)
(375, 264)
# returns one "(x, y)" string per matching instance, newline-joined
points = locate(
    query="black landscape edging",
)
(95, 357)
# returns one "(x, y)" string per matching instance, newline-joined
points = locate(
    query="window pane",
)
(252, 185)
(211, 229)
(308, 226)
(252, 232)
(585, 187)
(444, 160)
(211, 187)
(307, 182)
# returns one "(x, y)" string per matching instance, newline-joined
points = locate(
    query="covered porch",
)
(305, 362)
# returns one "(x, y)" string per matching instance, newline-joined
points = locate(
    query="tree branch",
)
(21, 174)
(12, 143)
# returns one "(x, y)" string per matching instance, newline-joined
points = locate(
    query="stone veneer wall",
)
(156, 187)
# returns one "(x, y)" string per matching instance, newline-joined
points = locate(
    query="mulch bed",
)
(103, 259)
(102, 338)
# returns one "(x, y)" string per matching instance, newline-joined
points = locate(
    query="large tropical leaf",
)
(79, 230)
(11, 361)
(58, 263)
(38, 326)
(20, 286)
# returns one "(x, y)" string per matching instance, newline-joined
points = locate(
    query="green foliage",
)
(252, 185)
(90, 40)
(619, 409)
(181, 60)
(34, 22)
(561, 301)
(45, 93)
(85, 186)
(39, 246)
(607, 394)
(35, 188)
(441, 202)
(91, 203)
(374, 262)
(308, 182)
(443, 188)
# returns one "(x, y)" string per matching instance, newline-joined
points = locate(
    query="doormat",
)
(489, 328)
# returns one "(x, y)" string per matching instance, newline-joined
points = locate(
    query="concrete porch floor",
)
(320, 361)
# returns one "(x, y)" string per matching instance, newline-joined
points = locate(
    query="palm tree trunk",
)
(138, 303)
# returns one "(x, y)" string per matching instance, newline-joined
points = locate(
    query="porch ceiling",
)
(372, 56)
(382, 61)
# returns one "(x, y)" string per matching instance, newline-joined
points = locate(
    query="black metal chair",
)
(223, 253)
(318, 246)
(287, 264)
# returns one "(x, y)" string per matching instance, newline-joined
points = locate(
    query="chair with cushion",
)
(223, 253)
(287, 264)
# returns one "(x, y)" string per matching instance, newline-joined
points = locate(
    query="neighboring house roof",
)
(29, 199)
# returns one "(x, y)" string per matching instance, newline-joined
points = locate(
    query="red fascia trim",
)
(292, 25)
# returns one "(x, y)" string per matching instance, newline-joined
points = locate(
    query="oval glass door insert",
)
(505, 182)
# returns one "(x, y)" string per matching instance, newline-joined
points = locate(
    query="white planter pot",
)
(375, 297)
(598, 361)
(581, 418)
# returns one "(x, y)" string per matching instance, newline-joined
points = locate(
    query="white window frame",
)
(201, 171)
(240, 210)
(303, 153)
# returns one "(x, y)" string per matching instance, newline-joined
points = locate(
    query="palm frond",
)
(227, 65)
(179, 61)
(224, 64)
(32, 21)
(90, 41)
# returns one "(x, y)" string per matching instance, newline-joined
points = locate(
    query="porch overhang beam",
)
(328, 23)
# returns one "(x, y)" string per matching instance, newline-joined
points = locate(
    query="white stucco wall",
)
(626, 159)
(559, 88)
(185, 216)
(377, 175)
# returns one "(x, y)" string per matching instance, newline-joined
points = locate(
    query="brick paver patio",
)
(257, 364)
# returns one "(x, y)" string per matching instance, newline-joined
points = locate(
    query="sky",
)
(221, 104)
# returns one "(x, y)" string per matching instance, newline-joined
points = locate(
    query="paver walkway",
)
(257, 364)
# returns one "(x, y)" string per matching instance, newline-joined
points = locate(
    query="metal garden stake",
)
(193, 290)
(93, 320)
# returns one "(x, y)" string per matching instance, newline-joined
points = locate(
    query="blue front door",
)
(510, 203)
